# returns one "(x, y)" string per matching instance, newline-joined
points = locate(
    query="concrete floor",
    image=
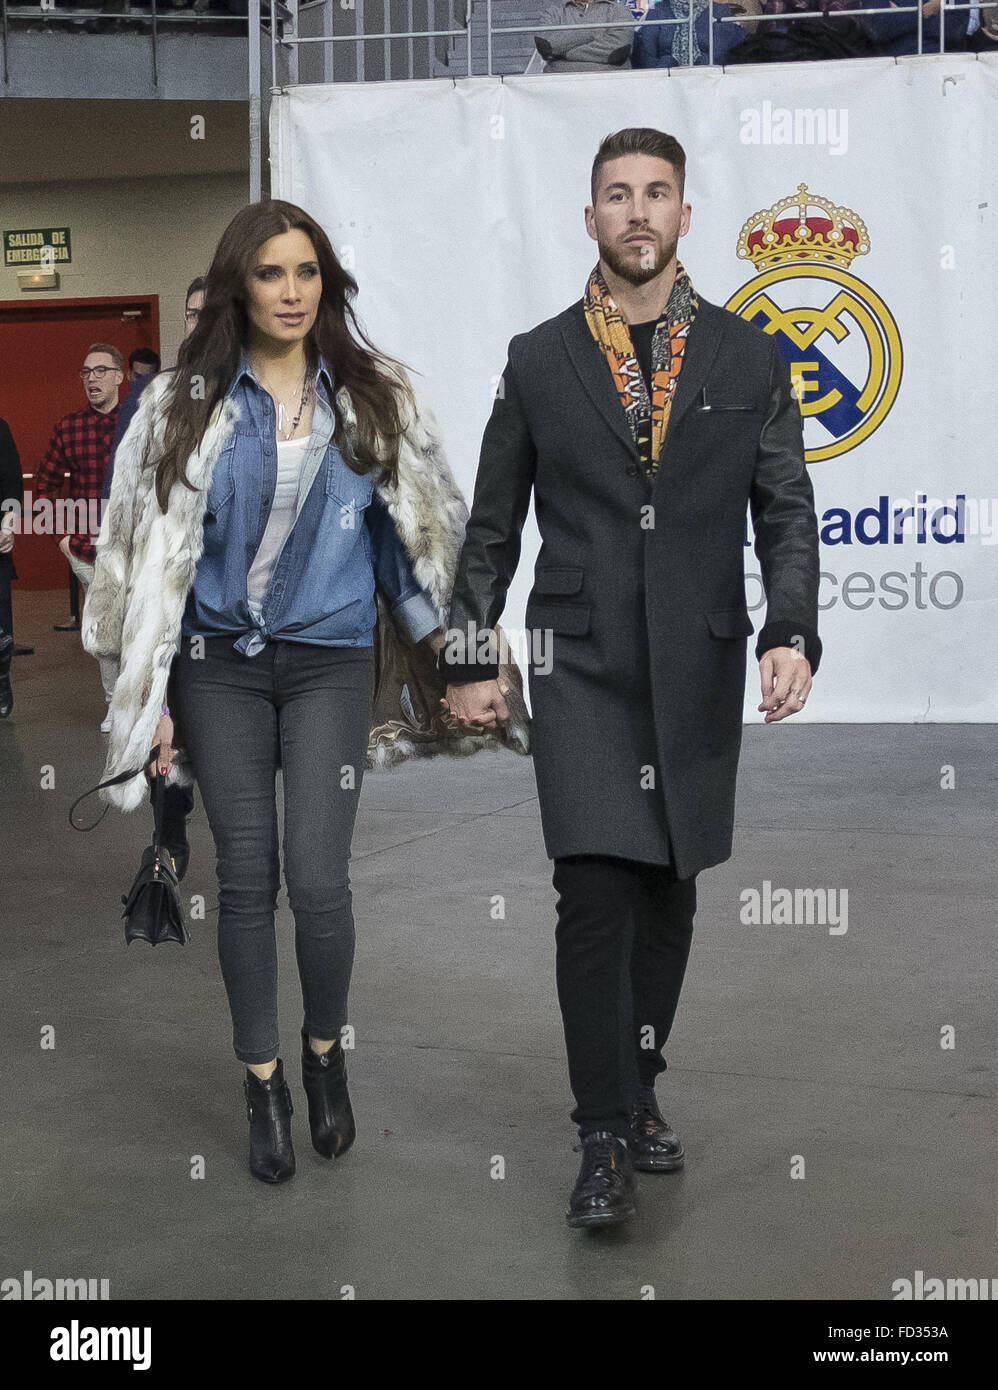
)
(789, 1041)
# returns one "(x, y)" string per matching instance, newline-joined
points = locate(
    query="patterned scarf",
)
(683, 55)
(608, 327)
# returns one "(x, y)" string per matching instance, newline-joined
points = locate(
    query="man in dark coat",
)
(646, 421)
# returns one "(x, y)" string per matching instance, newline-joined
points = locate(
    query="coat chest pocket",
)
(350, 489)
(727, 408)
(551, 606)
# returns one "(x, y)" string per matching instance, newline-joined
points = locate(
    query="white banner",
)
(459, 205)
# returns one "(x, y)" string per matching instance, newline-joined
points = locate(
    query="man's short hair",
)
(111, 351)
(146, 356)
(640, 140)
(194, 287)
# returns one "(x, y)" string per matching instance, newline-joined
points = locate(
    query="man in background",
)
(81, 446)
(143, 365)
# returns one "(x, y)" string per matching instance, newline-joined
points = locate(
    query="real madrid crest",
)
(837, 336)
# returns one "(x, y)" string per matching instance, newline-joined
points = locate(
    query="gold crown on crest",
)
(816, 230)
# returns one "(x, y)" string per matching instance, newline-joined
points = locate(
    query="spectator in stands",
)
(669, 45)
(586, 50)
(982, 30)
(897, 34)
(836, 33)
(81, 446)
(11, 490)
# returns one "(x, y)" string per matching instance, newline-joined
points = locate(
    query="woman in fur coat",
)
(273, 570)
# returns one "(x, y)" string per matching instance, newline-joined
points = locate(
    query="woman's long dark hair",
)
(209, 357)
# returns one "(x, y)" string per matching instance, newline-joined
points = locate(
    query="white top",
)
(283, 513)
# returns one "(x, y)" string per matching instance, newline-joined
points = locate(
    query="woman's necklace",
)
(306, 393)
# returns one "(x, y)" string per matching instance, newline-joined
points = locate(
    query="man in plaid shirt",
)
(81, 446)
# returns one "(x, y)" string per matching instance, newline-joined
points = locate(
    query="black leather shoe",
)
(269, 1110)
(6, 697)
(330, 1116)
(653, 1145)
(604, 1191)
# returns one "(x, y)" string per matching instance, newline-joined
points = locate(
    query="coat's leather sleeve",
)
(786, 528)
(491, 549)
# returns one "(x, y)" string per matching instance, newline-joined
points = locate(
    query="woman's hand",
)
(167, 756)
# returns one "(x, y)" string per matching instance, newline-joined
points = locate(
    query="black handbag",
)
(154, 910)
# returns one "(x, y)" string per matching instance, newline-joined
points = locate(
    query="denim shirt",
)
(342, 546)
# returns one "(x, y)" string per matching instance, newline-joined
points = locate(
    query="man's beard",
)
(637, 273)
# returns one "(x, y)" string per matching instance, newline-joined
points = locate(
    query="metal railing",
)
(277, 24)
(291, 40)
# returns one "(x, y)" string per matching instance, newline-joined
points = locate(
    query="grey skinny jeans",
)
(306, 709)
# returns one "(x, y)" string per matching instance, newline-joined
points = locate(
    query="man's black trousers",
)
(623, 939)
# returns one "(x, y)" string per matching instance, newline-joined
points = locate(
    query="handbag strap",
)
(125, 777)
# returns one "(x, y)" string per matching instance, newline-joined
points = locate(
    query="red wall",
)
(42, 347)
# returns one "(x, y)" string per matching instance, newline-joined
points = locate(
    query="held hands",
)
(786, 682)
(478, 703)
(481, 702)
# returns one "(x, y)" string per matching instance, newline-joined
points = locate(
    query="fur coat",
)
(146, 564)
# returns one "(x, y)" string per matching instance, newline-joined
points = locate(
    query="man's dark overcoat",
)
(637, 729)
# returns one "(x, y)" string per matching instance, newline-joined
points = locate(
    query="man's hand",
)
(786, 682)
(480, 702)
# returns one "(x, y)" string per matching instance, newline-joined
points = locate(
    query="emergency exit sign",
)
(45, 246)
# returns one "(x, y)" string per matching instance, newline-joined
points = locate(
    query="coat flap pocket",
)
(552, 579)
(570, 619)
(730, 622)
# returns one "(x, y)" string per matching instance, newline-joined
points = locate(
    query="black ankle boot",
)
(269, 1110)
(330, 1116)
(6, 697)
(177, 802)
(604, 1192)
